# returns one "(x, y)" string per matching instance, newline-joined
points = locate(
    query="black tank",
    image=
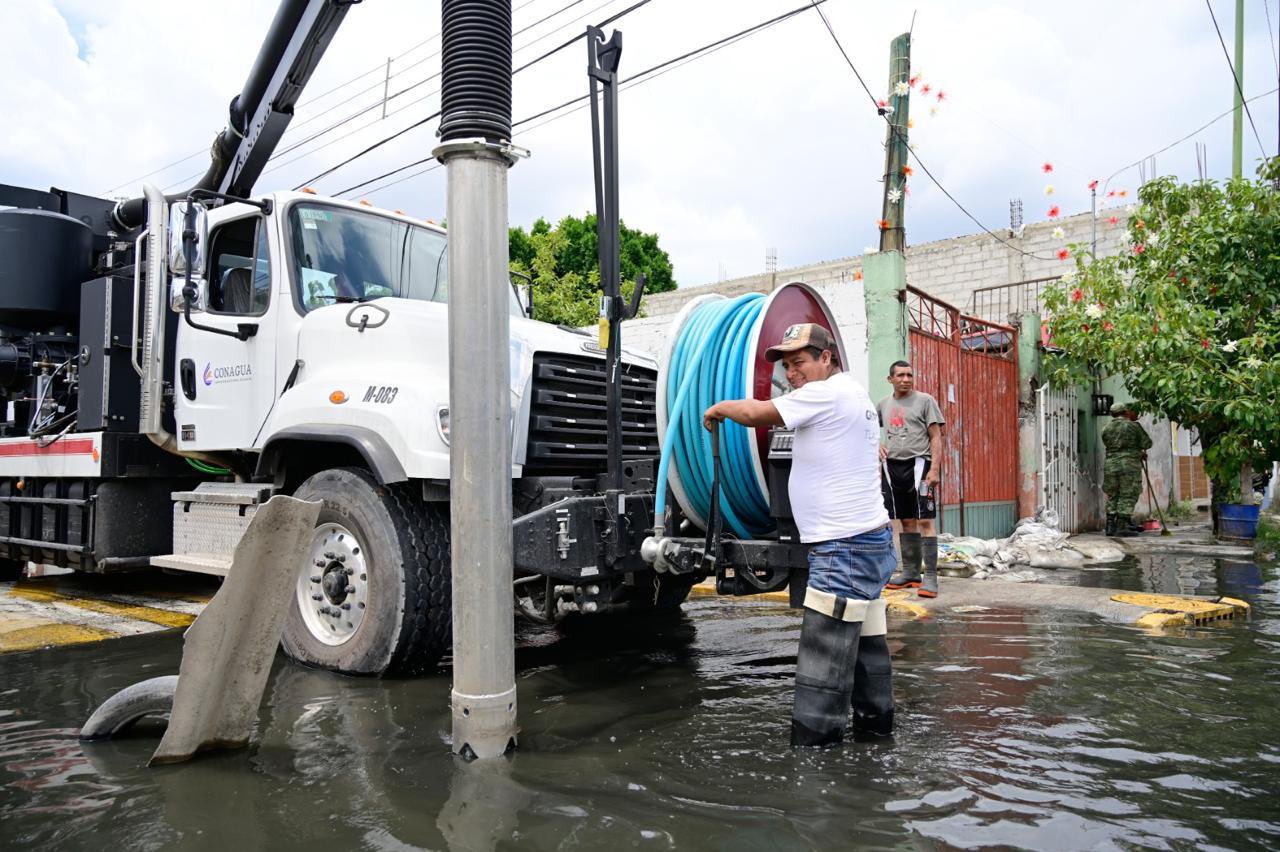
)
(44, 257)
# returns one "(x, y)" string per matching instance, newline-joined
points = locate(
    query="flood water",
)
(1042, 731)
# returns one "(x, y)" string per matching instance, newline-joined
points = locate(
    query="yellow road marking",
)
(49, 635)
(149, 614)
(899, 600)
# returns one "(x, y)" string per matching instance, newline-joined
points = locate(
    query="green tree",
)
(562, 261)
(1187, 314)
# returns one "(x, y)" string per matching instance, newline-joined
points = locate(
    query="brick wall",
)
(948, 269)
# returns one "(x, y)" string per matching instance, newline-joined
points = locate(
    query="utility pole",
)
(893, 234)
(1237, 116)
(475, 134)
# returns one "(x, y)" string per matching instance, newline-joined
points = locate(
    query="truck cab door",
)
(224, 387)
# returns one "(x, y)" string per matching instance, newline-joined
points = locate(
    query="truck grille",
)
(567, 430)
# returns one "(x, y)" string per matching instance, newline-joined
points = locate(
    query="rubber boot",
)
(908, 576)
(929, 549)
(824, 679)
(1111, 526)
(1122, 528)
(873, 679)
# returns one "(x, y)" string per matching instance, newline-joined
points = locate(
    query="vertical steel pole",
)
(386, 87)
(475, 129)
(1237, 98)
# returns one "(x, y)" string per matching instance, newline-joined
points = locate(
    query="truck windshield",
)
(341, 255)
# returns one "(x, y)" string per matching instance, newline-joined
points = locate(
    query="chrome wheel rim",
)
(333, 585)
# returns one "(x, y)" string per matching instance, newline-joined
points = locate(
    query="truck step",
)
(193, 564)
(208, 523)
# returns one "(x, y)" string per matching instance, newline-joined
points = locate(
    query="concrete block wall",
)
(948, 269)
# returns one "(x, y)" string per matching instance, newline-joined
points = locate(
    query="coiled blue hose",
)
(708, 364)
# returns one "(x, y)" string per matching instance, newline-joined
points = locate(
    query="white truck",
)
(151, 408)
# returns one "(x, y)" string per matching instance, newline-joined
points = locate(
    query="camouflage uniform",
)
(1125, 442)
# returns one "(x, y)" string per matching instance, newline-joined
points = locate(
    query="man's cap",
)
(801, 336)
(1122, 407)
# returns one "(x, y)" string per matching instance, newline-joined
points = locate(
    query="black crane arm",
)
(260, 114)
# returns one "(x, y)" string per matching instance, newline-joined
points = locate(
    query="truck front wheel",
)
(373, 595)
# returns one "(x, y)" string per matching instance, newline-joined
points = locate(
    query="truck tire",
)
(374, 594)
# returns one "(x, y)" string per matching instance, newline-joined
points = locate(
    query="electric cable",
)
(709, 363)
(645, 76)
(1179, 141)
(910, 150)
(1235, 77)
(437, 114)
(293, 128)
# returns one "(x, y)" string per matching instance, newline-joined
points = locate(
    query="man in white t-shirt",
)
(835, 498)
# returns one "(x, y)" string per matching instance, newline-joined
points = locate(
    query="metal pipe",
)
(484, 693)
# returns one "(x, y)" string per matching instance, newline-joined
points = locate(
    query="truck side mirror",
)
(178, 292)
(184, 216)
(523, 296)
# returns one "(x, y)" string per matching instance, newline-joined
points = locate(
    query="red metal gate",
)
(970, 367)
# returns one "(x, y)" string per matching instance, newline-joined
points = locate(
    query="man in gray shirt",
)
(911, 457)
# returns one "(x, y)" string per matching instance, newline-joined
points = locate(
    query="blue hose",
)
(708, 364)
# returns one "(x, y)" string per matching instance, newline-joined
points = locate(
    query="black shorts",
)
(901, 483)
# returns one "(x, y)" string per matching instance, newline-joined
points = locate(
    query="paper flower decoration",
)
(1253, 362)
(1114, 220)
(1094, 311)
(894, 196)
(1063, 254)
(1230, 346)
(857, 276)
(906, 171)
(901, 88)
(1111, 194)
(913, 80)
(1204, 343)
(883, 224)
(1093, 185)
(1108, 326)
(1124, 193)
(1059, 233)
(1139, 248)
(933, 110)
(1047, 167)
(1077, 295)
(1054, 211)
(1049, 190)
(911, 123)
(941, 96)
(924, 90)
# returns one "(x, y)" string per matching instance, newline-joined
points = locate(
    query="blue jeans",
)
(855, 567)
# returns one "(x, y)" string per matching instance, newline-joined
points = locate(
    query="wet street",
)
(1015, 728)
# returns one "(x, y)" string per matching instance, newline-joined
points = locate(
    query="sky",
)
(767, 143)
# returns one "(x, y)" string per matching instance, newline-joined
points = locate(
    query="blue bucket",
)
(1238, 521)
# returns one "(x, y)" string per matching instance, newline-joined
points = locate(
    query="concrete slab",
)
(68, 609)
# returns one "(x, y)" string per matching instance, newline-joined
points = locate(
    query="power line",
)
(916, 156)
(639, 78)
(343, 85)
(399, 133)
(1275, 57)
(1179, 141)
(1235, 77)
(705, 47)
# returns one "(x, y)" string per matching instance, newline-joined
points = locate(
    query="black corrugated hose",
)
(475, 94)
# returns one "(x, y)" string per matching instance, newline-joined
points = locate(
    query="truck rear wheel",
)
(374, 595)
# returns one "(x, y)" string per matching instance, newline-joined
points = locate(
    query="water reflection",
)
(1016, 728)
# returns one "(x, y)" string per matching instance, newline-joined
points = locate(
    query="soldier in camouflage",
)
(1126, 444)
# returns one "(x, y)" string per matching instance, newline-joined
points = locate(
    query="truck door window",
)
(427, 277)
(344, 255)
(240, 279)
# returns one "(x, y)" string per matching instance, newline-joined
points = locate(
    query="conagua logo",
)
(230, 373)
